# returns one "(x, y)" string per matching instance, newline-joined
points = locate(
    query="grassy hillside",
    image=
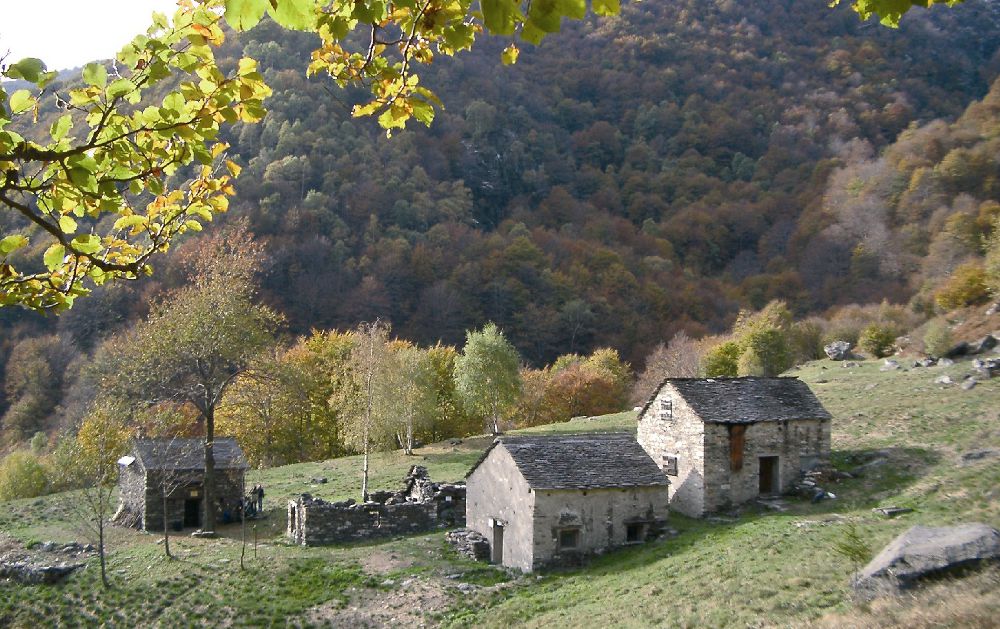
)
(757, 568)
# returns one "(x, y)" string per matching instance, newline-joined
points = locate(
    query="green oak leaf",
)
(61, 127)
(501, 16)
(30, 69)
(87, 243)
(53, 257)
(95, 74)
(67, 224)
(10, 243)
(21, 101)
(245, 14)
(299, 15)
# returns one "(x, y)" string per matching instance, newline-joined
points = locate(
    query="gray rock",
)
(977, 455)
(926, 552)
(969, 383)
(838, 350)
(945, 362)
(984, 344)
(889, 365)
(945, 379)
(891, 512)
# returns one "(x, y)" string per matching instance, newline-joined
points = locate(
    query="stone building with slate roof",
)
(725, 441)
(178, 465)
(549, 499)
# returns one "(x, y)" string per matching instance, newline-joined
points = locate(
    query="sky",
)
(69, 33)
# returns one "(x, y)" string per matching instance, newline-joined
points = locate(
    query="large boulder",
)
(926, 552)
(838, 350)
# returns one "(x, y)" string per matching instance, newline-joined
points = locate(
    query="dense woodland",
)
(630, 178)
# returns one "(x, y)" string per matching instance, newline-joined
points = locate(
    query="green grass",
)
(763, 568)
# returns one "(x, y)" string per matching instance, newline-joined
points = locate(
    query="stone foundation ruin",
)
(420, 505)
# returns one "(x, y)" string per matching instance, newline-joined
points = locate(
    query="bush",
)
(722, 360)
(766, 353)
(878, 339)
(22, 475)
(937, 337)
(967, 286)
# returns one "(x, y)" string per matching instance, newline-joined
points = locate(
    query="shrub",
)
(722, 360)
(22, 475)
(878, 339)
(967, 286)
(765, 353)
(937, 337)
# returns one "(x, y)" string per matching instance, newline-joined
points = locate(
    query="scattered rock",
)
(926, 552)
(455, 442)
(945, 379)
(321, 480)
(27, 572)
(984, 344)
(969, 383)
(987, 368)
(469, 543)
(466, 587)
(822, 381)
(838, 350)
(889, 365)
(891, 512)
(203, 534)
(850, 365)
(977, 455)
(945, 362)
(926, 362)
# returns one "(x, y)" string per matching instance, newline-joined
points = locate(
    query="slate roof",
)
(187, 454)
(590, 461)
(746, 400)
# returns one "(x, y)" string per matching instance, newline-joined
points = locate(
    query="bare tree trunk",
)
(409, 437)
(208, 524)
(100, 549)
(364, 475)
(166, 519)
(243, 522)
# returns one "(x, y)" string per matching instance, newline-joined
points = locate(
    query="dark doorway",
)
(496, 548)
(192, 513)
(769, 475)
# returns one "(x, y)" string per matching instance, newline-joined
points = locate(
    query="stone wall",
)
(500, 506)
(799, 445)
(601, 518)
(229, 486)
(421, 505)
(670, 430)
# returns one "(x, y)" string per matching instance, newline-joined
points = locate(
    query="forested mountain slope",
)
(628, 178)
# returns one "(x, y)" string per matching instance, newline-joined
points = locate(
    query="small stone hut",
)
(178, 466)
(724, 441)
(550, 499)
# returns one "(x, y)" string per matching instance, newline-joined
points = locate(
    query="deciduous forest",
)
(635, 177)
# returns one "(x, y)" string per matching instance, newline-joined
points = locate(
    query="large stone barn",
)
(724, 441)
(177, 467)
(549, 499)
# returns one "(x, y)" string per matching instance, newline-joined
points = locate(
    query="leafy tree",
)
(967, 286)
(937, 337)
(107, 157)
(878, 340)
(102, 439)
(367, 419)
(487, 378)
(409, 389)
(22, 475)
(722, 360)
(196, 343)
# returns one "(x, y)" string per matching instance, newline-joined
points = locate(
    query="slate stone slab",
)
(926, 552)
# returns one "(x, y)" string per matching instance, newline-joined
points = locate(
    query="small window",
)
(569, 539)
(635, 532)
(667, 408)
(670, 465)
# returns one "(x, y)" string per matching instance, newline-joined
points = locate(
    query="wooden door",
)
(496, 548)
(769, 475)
(192, 513)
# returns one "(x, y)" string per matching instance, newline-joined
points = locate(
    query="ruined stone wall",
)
(421, 505)
(670, 428)
(498, 492)
(601, 516)
(799, 445)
